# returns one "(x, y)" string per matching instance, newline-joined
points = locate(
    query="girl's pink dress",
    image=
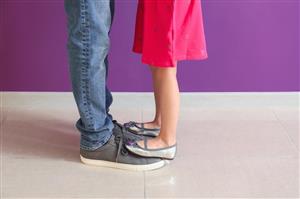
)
(169, 30)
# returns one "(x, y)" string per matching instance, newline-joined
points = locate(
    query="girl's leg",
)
(157, 96)
(167, 99)
(156, 122)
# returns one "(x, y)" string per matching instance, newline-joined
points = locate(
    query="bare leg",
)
(156, 122)
(167, 101)
(157, 118)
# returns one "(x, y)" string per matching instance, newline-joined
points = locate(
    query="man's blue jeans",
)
(89, 23)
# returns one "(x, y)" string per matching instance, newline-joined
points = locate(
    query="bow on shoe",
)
(129, 124)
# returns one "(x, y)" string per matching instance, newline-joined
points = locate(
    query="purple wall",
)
(252, 46)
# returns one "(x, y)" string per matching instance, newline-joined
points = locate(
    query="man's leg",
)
(89, 23)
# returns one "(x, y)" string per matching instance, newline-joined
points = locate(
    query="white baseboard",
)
(192, 100)
(225, 99)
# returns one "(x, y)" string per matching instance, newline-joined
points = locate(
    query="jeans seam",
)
(85, 54)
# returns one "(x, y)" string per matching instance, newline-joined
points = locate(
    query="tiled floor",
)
(231, 145)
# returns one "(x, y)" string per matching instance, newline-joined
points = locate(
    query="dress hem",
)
(185, 57)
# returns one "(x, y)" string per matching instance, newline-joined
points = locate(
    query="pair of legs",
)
(167, 100)
(89, 23)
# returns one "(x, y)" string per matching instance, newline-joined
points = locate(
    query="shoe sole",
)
(103, 163)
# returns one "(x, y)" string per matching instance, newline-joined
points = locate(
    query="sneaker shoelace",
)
(123, 130)
(119, 139)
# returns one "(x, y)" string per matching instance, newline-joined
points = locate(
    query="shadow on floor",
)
(36, 134)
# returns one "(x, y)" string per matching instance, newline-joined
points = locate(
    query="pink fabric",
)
(168, 31)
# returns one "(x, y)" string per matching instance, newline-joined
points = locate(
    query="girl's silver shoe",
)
(139, 129)
(165, 153)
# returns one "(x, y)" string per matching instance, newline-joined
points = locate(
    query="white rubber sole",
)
(115, 165)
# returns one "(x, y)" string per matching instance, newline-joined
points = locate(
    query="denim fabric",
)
(89, 23)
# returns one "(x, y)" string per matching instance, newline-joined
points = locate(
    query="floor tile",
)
(41, 158)
(290, 120)
(219, 177)
(292, 128)
(44, 177)
(234, 114)
(233, 139)
(125, 115)
(287, 113)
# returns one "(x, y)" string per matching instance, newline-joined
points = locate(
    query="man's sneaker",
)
(114, 154)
